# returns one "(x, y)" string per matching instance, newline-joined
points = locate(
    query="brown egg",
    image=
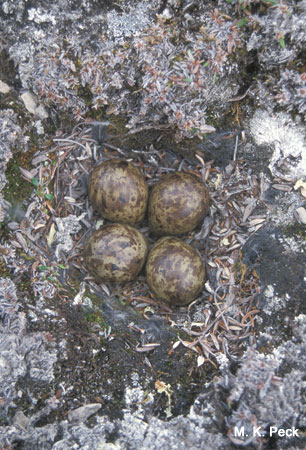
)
(115, 253)
(118, 191)
(175, 271)
(178, 204)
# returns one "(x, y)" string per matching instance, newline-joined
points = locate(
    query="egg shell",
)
(175, 271)
(115, 253)
(178, 203)
(118, 191)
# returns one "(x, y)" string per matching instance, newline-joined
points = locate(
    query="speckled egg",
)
(118, 191)
(178, 204)
(175, 271)
(115, 253)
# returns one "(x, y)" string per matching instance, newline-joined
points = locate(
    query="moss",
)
(4, 420)
(85, 94)
(4, 232)
(24, 284)
(17, 189)
(9, 70)
(4, 272)
(26, 257)
(96, 317)
(93, 316)
(296, 229)
(96, 301)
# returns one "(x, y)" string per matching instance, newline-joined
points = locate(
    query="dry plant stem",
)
(203, 333)
(146, 128)
(217, 304)
(236, 148)
(70, 141)
(114, 148)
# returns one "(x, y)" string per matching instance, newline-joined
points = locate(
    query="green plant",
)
(42, 190)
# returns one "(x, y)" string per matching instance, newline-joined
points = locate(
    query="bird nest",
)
(48, 242)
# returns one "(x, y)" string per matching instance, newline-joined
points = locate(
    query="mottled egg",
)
(175, 271)
(178, 204)
(118, 191)
(115, 253)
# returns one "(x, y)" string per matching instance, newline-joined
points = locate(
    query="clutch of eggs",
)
(117, 252)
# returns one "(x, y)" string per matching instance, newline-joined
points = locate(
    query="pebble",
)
(20, 420)
(4, 88)
(300, 214)
(30, 102)
(81, 414)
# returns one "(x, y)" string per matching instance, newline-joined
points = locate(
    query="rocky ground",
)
(213, 88)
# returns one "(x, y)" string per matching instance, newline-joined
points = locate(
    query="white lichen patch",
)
(21, 354)
(67, 227)
(284, 211)
(293, 244)
(273, 301)
(287, 140)
(39, 16)
(223, 362)
(301, 320)
(136, 396)
(126, 24)
(293, 351)
(41, 365)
